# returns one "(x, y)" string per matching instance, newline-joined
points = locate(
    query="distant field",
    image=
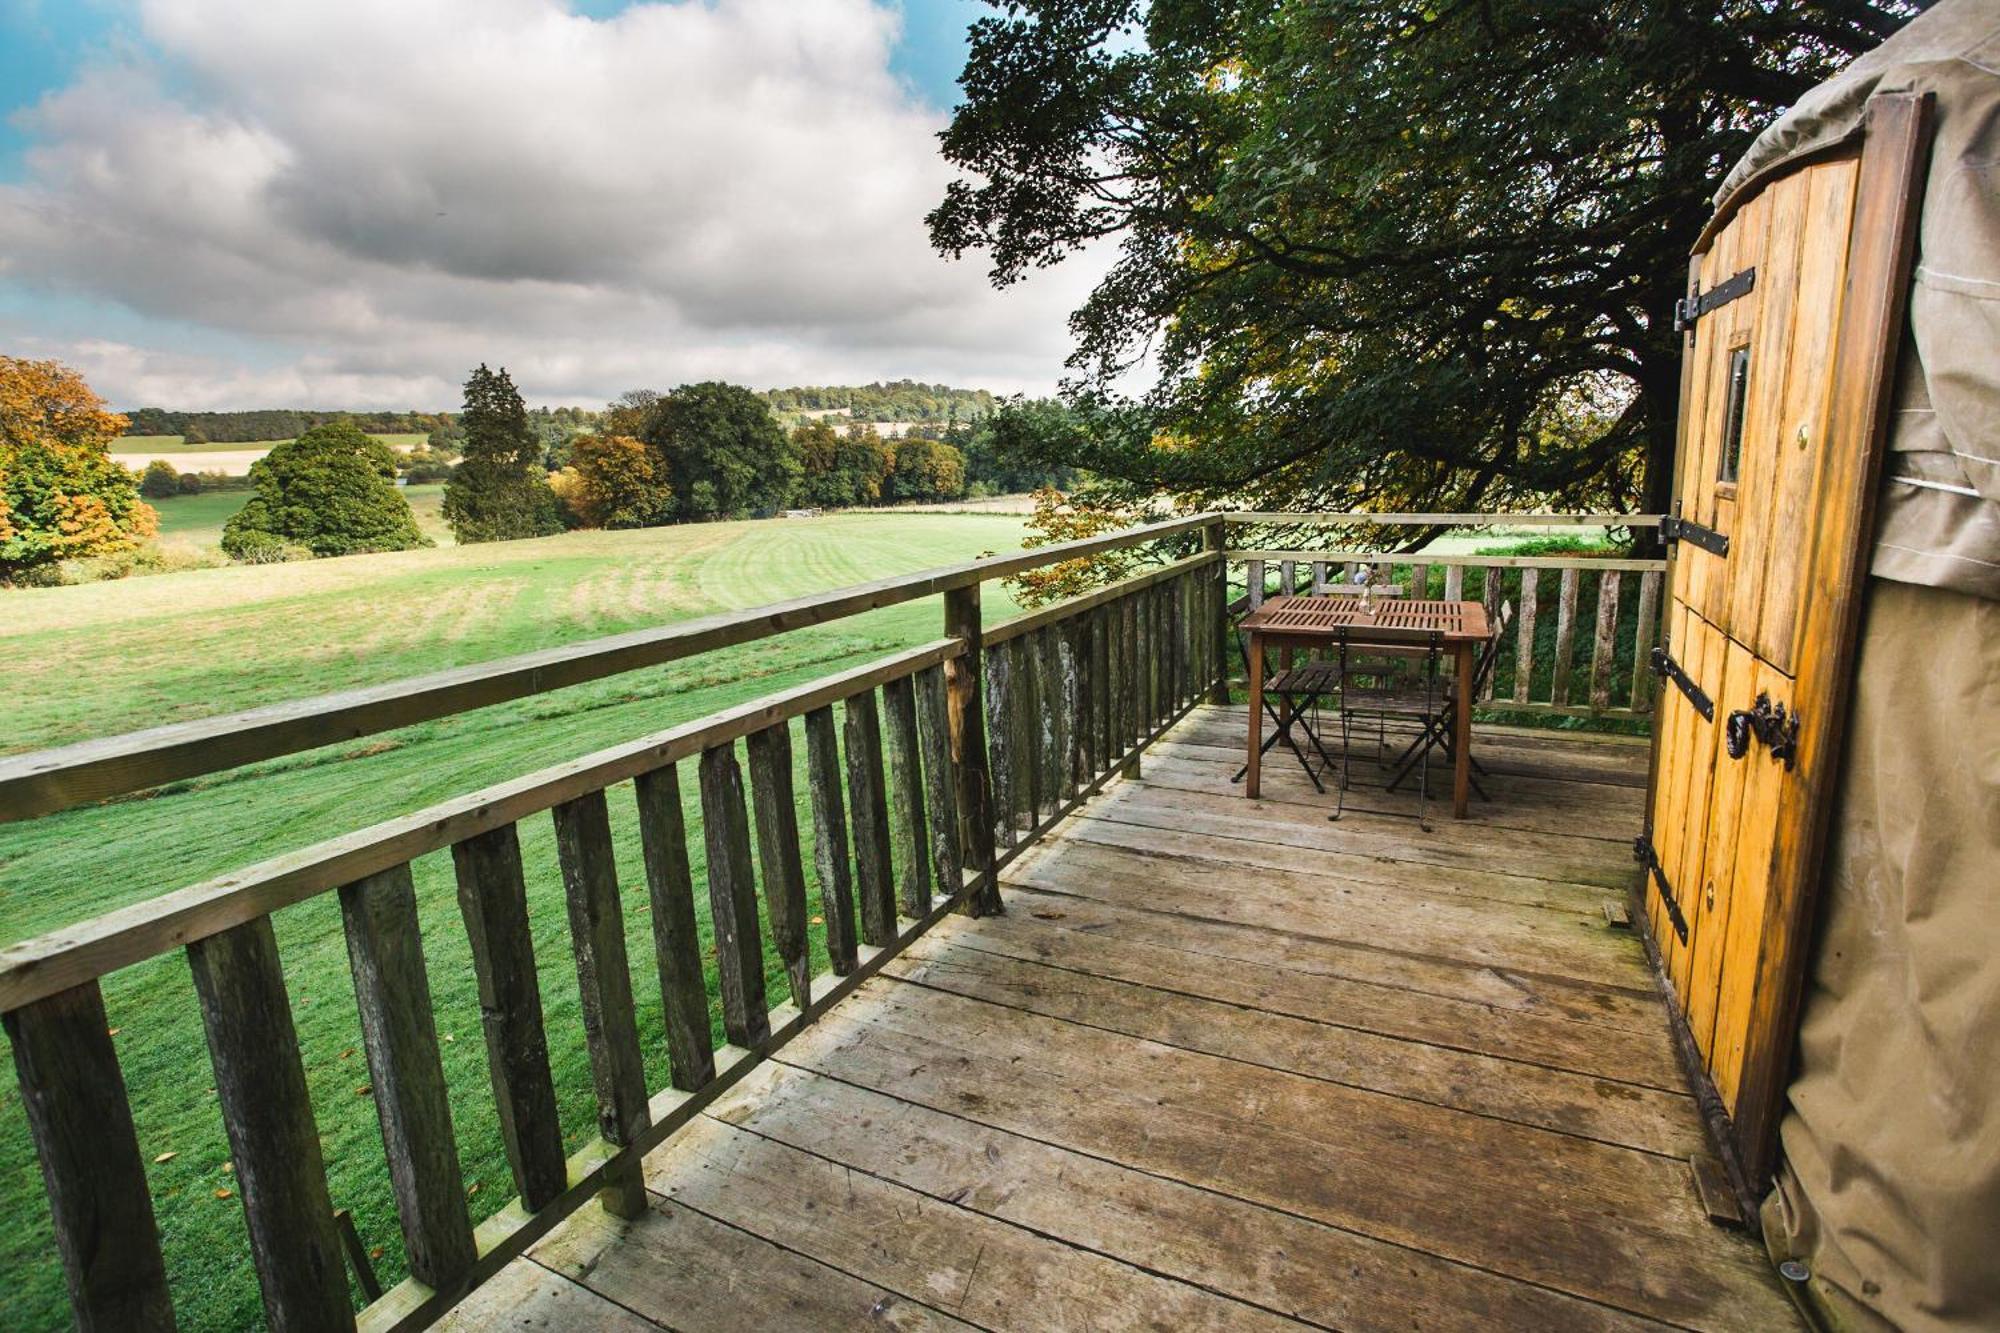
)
(100, 658)
(196, 520)
(234, 457)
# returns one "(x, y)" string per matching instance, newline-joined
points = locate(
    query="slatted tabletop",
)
(1391, 619)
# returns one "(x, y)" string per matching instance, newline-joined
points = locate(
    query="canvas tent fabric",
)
(1889, 1190)
(1939, 512)
(1888, 1187)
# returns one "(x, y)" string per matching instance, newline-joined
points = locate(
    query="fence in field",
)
(942, 763)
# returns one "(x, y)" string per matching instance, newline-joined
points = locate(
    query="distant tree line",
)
(701, 452)
(895, 400)
(271, 423)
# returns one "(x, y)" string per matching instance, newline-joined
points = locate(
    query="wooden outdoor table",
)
(1323, 622)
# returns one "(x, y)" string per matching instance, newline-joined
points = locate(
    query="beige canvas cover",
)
(1890, 1187)
(1939, 511)
(1889, 1184)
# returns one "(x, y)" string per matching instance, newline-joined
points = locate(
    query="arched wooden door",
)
(1792, 322)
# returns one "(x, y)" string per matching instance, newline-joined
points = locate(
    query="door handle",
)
(1766, 722)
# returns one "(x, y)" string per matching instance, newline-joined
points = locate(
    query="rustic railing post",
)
(99, 1203)
(830, 854)
(676, 940)
(1215, 539)
(940, 787)
(867, 790)
(906, 799)
(1644, 635)
(779, 856)
(1524, 650)
(273, 1140)
(732, 898)
(604, 984)
(1565, 635)
(493, 899)
(386, 956)
(970, 763)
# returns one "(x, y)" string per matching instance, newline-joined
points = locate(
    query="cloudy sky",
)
(242, 203)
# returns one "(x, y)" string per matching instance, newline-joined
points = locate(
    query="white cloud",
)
(377, 194)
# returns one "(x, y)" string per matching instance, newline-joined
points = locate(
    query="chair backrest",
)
(1482, 671)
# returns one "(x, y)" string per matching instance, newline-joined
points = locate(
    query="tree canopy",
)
(928, 470)
(1414, 254)
(332, 491)
(500, 490)
(62, 495)
(723, 450)
(614, 481)
(160, 480)
(841, 468)
(898, 400)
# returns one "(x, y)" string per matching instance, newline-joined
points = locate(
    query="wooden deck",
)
(1220, 1065)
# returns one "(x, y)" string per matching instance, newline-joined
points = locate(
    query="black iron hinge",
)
(1664, 665)
(1642, 852)
(1674, 528)
(1691, 308)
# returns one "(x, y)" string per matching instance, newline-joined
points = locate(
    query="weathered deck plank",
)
(1530, 1094)
(1526, 1203)
(1226, 1064)
(699, 1273)
(531, 1299)
(1326, 1276)
(1460, 1007)
(1570, 944)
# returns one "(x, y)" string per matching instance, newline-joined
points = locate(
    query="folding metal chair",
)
(1436, 719)
(1385, 701)
(1288, 697)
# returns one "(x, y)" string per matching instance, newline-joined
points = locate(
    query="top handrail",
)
(1450, 520)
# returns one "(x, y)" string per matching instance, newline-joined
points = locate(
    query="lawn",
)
(101, 658)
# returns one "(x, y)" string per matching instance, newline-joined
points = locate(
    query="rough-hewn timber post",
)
(968, 747)
(1215, 537)
(99, 1204)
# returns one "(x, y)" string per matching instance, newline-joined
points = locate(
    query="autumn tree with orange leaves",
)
(62, 495)
(613, 481)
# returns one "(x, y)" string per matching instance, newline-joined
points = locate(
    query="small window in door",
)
(1732, 423)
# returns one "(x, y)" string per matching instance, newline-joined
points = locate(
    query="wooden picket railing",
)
(945, 761)
(1584, 626)
(902, 833)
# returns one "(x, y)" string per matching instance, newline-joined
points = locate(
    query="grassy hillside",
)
(101, 658)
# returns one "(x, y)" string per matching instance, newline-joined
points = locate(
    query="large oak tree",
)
(1418, 254)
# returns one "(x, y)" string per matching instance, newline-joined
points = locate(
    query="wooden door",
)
(1793, 320)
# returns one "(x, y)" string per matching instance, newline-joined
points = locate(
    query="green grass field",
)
(101, 658)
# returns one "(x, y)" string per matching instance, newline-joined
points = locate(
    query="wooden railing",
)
(945, 761)
(925, 785)
(1584, 626)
